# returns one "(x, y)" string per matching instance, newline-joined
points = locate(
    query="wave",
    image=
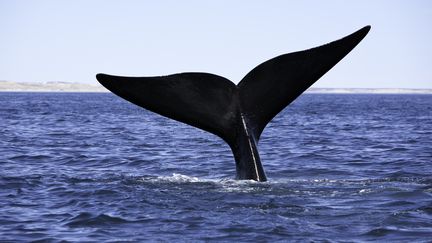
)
(85, 219)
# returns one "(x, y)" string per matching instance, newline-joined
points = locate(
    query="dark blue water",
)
(92, 167)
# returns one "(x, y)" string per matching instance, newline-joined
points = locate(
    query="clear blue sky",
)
(73, 40)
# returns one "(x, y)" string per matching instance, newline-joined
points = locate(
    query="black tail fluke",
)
(237, 114)
(271, 86)
(201, 100)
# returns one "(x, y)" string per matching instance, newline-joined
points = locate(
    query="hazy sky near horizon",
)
(73, 40)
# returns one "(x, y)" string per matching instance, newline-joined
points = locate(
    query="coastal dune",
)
(59, 86)
(52, 86)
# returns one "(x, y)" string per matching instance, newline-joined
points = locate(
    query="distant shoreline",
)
(367, 91)
(67, 87)
(9, 86)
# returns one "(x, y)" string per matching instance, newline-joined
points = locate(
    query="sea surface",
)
(89, 167)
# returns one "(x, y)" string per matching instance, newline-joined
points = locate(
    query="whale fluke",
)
(236, 113)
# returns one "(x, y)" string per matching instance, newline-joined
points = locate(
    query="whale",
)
(238, 113)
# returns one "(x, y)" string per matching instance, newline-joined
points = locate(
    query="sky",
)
(72, 41)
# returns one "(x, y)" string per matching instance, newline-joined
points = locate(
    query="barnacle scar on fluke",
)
(236, 113)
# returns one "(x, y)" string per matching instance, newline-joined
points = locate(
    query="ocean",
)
(91, 167)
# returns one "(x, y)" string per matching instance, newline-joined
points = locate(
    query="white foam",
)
(179, 178)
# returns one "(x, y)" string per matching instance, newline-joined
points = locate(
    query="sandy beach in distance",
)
(53, 86)
(9, 86)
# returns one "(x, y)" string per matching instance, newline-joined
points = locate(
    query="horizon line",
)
(44, 84)
(69, 87)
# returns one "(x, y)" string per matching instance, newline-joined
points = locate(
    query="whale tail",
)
(236, 113)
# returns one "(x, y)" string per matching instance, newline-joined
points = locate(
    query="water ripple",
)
(94, 168)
